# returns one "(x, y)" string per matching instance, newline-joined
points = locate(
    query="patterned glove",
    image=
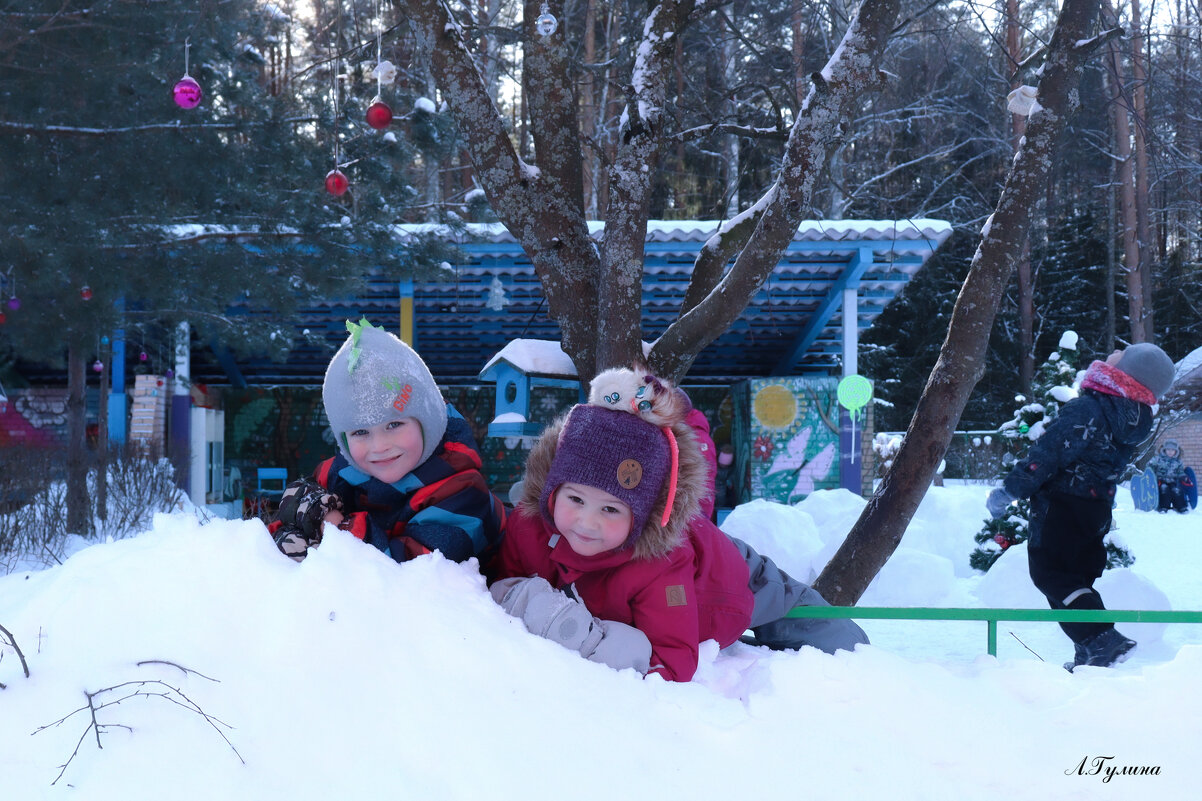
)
(292, 544)
(304, 506)
(998, 502)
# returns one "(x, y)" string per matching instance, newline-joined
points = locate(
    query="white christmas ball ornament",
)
(546, 24)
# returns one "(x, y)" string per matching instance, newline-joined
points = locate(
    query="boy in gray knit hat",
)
(407, 475)
(1070, 475)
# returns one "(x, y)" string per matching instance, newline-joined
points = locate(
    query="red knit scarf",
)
(1110, 380)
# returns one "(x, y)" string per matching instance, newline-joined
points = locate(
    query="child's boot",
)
(1080, 657)
(1108, 648)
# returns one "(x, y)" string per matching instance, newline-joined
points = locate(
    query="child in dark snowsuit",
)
(407, 476)
(1170, 477)
(611, 554)
(1070, 475)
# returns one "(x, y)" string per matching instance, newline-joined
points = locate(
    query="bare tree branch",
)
(123, 692)
(878, 531)
(8, 635)
(826, 111)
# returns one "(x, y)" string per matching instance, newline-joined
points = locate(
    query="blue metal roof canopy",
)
(794, 325)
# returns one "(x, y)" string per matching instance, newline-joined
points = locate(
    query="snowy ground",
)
(349, 676)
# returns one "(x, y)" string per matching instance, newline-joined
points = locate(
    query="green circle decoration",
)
(854, 392)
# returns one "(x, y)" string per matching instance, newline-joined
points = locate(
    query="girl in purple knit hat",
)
(609, 553)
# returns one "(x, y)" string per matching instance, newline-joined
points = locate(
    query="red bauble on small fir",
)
(379, 115)
(336, 183)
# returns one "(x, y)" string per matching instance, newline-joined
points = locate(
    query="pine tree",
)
(1054, 385)
(124, 210)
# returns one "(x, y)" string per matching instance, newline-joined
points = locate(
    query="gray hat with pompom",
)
(1150, 366)
(374, 378)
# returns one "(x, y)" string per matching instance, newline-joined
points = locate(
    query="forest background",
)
(106, 184)
(87, 84)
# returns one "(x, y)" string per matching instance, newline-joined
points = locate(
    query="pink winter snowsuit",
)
(697, 592)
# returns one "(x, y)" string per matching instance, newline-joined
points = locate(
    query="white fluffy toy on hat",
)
(640, 393)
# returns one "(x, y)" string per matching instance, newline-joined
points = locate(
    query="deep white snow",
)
(352, 677)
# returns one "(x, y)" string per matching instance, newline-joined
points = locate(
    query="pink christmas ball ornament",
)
(187, 92)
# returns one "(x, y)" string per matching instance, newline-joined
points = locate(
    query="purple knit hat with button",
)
(614, 451)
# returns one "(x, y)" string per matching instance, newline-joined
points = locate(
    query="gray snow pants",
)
(775, 594)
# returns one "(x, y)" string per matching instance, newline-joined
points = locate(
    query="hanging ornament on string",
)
(86, 292)
(14, 303)
(545, 24)
(379, 115)
(98, 366)
(187, 92)
(336, 182)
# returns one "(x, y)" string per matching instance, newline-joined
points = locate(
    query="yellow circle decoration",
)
(775, 407)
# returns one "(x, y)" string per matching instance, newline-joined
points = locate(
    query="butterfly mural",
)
(790, 477)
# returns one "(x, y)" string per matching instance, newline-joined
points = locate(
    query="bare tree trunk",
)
(801, 83)
(961, 364)
(1112, 261)
(79, 513)
(1121, 121)
(589, 114)
(1026, 284)
(1144, 331)
(730, 147)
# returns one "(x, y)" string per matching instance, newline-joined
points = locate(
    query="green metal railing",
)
(992, 616)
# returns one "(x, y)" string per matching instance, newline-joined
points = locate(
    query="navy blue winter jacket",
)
(1085, 451)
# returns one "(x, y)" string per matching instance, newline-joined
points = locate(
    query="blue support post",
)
(117, 398)
(850, 468)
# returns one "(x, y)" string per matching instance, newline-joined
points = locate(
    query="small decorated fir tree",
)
(1054, 385)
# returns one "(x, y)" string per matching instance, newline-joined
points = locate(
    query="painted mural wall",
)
(788, 433)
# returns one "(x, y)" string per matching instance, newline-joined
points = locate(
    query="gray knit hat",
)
(1150, 366)
(375, 377)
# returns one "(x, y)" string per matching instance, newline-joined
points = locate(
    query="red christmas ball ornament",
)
(3, 318)
(379, 115)
(1001, 540)
(98, 366)
(336, 183)
(142, 356)
(86, 293)
(187, 92)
